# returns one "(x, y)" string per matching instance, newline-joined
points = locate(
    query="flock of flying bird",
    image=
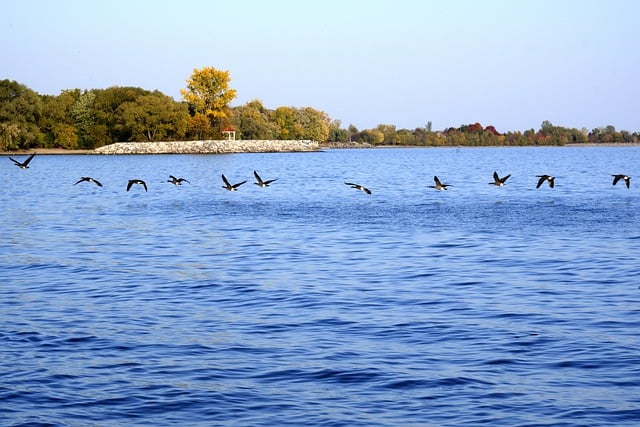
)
(172, 179)
(497, 180)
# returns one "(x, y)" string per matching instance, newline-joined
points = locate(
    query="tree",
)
(83, 115)
(315, 124)
(389, 132)
(208, 93)
(287, 123)
(198, 126)
(22, 107)
(336, 133)
(56, 123)
(154, 117)
(253, 121)
(8, 134)
(107, 112)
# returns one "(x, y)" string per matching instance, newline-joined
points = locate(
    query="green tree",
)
(8, 134)
(389, 132)
(56, 123)
(109, 125)
(287, 123)
(314, 123)
(154, 117)
(83, 114)
(254, 121)
(371, 136)
(22, 107)
(336, 133)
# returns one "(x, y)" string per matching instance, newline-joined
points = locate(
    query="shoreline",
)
(319, 147)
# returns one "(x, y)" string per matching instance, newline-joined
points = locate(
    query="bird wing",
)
(366, 190)
(541, 180)
(437, 181)
(270, 181)
(226, 182)
(97, 183)
(15, 161)
(182, 179)
(627, 181)
(26, 162)
(616, 178)
(504, 178)
(496, 178)
(551, 181)
(238, 184)
(129, 184)
(79, 181)
(258, 178)
(144, 184)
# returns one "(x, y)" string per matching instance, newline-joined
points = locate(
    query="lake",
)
(312, 303)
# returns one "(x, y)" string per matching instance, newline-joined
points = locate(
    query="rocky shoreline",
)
(209, 147)
(249, 146)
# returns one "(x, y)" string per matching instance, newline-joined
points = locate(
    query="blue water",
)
(311, 303)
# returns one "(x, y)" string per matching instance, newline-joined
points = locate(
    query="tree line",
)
(87, 119)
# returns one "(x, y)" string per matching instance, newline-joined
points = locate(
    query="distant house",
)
(229, 133)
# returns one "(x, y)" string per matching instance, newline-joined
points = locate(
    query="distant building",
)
(229, 133)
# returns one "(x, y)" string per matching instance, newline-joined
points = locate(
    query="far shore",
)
(64, 151)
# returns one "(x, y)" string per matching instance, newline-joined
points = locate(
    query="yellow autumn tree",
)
(208, 94)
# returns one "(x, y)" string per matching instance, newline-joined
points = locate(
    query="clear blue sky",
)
(511, 64)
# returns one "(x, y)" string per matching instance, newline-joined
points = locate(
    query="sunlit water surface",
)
(312, 303)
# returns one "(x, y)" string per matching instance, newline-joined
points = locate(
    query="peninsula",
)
(209, 147)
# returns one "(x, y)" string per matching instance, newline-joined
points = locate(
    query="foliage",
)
(8, 136)
(57, 124)
(20, 112)
(109, 123)
(91, 118)
(198, 126)
(208, 93)
(83, 114)
(154, 117)
(254, 121)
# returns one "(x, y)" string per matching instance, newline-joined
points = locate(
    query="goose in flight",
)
(359, 187)
(88, 179)
(136, 181)
(439, 185)
(177, 181)
(618, 177)
(550, 179)
(497, 181)
(25, 164)
(230, 187)
(262, 183)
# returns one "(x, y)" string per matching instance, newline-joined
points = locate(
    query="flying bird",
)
(262, 183)
(25, 164)
(177, 181)
(618, 177)
(359, 187)
(550, 179)
(439, 185)
(136, 181)
(230, 187)
(497, 181)
(88, 179)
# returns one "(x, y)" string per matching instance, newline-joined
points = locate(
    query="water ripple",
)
(321, 306)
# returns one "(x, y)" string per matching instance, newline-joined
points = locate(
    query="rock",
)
(209, 147)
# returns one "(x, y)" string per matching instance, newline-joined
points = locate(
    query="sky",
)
(510, 64)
